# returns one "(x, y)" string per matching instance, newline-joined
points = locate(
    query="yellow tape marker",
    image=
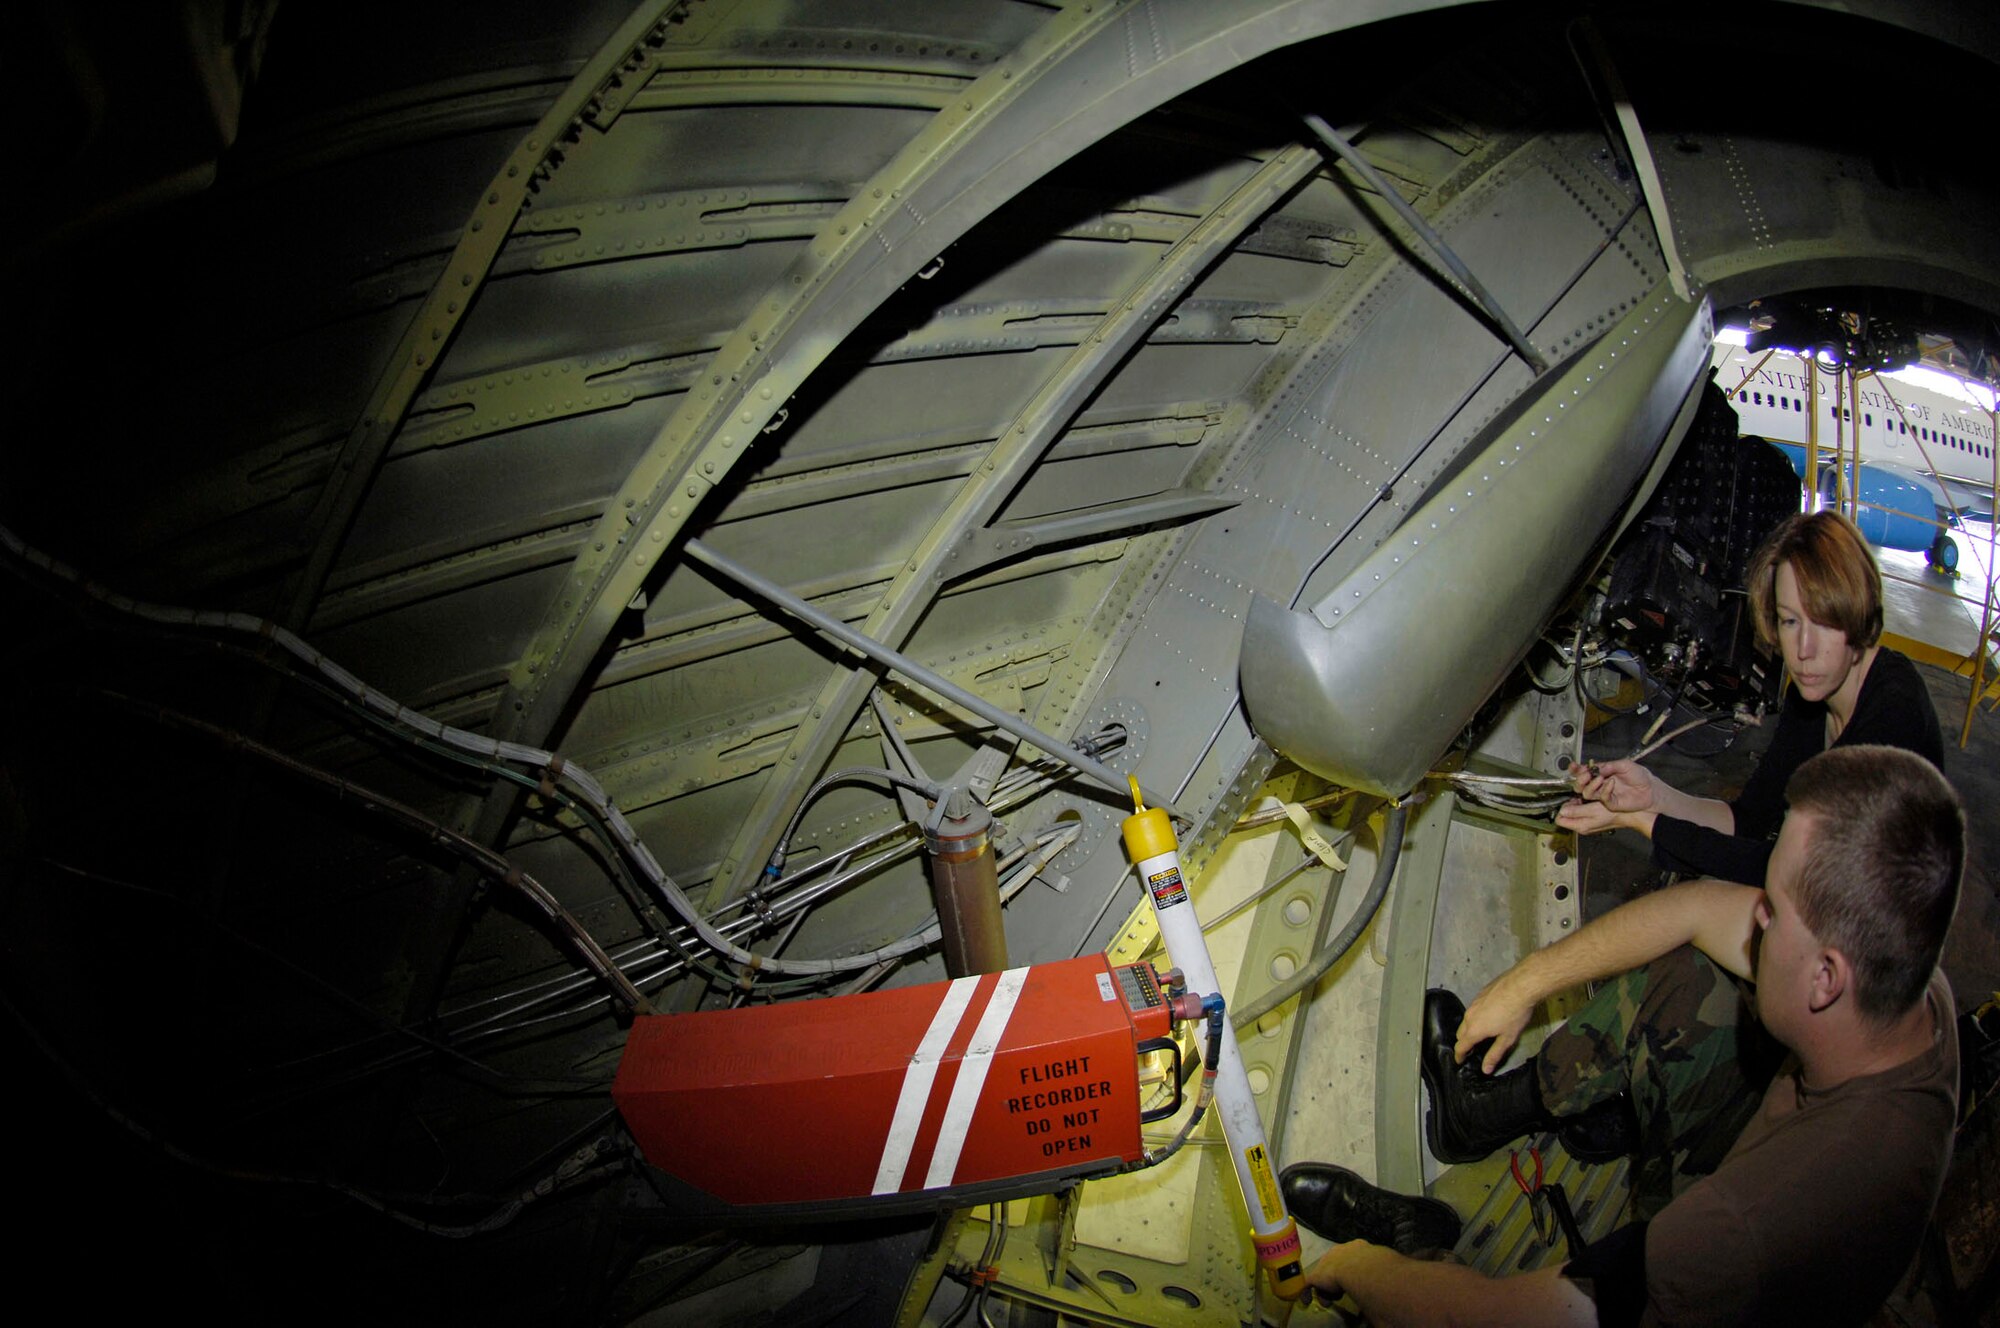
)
(1314, 841)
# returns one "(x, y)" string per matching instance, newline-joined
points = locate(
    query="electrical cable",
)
(1018, 786)
(1658, 743)
(1213, 1008)
(621, 876)
(1391, 849)
(1574, 663)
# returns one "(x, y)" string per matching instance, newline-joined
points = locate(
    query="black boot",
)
(1338, 1205)
(1602, 1132)
(1472, 1113)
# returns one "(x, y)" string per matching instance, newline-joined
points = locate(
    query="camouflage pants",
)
(1681, 1036)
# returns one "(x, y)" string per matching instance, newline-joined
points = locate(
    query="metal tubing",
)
(1435, 242)
(742, 576)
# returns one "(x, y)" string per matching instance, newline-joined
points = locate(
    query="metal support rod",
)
(742, 576)
(1642, 158)
(1347, 152)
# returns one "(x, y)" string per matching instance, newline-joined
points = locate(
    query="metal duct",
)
(1376, 680)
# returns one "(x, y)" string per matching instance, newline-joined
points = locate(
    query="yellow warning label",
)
(1266, 1183)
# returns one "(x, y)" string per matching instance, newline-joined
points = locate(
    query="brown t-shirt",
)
(1818, 1208)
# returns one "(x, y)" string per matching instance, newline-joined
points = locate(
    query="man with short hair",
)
(1817, 1207)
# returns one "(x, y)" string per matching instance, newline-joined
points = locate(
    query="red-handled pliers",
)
(1536, 1206)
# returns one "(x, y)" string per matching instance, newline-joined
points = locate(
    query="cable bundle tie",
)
(550, 774)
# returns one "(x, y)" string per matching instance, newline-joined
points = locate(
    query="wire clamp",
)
(550, 774)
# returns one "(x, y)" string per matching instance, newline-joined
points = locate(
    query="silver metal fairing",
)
(1375, 680)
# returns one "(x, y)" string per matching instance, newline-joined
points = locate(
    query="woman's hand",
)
(1621, 786)
(1587, 818)
(1613, 794)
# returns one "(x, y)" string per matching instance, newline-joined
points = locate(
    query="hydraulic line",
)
(923, 787)
(1265, 891)
(478, 855)
(1018, 786)
(554, 767)
(1253, 820)
(1022, 866)
(1316, 967)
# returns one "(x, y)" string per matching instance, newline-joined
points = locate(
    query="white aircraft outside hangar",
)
(1924, 438)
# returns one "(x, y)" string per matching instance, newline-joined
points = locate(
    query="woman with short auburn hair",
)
(1816, 598)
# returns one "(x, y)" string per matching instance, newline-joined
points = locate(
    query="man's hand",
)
(1395, 1291)
(1326, 1273)
(1500, 1012)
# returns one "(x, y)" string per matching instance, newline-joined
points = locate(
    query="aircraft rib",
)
(1031, 434)
(445, 307)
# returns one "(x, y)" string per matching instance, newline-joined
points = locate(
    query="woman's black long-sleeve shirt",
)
(1894, 709)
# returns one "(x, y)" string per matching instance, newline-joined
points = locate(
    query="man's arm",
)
(1393, 1290)
(1716, 917)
